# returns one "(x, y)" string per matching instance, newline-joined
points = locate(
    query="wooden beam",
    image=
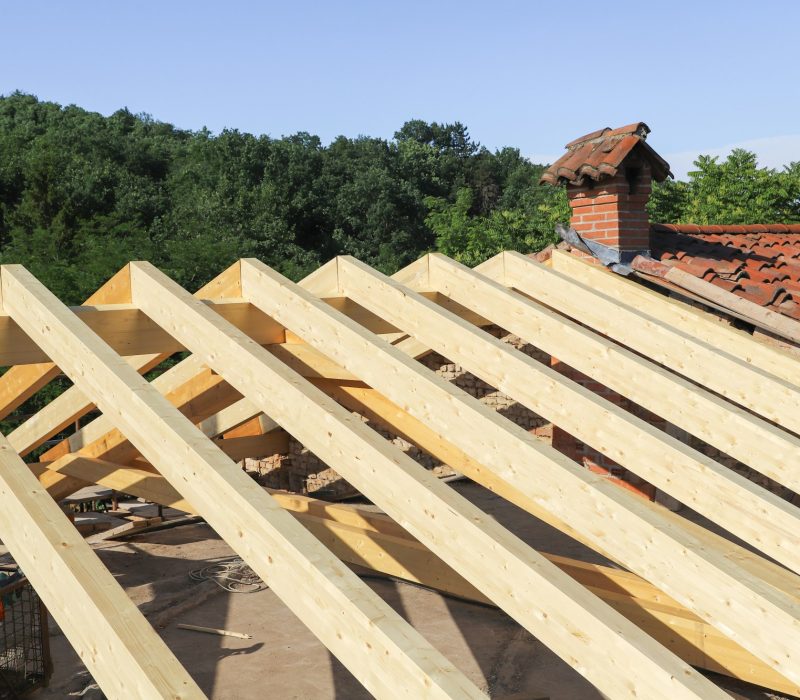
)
(734, 378)
(737, 432)
(307, 316)
(130, 332)
(255, 446)
(375, 541)
(368, 637)
(199, 398)
(361, 536)
(138, 482)
(757, 315)
(233, 416)
(357, 396)
(704, 326)
(123, 653)
(187, 374)
(417, 273)
(537, 471)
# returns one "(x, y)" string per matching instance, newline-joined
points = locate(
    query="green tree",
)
(733, 191)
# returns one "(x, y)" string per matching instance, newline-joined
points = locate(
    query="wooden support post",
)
(367, 636)
(537, 471)
(120, 649)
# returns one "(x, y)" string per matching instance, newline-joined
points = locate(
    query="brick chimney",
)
(609, 175)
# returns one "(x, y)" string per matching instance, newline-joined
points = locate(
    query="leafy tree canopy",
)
(81, 194)
(733, 191)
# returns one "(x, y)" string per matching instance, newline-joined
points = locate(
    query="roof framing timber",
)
(690, 319)
(729, 375)
(361, 536)
(113, 639)
(689, 476)
(269, 354)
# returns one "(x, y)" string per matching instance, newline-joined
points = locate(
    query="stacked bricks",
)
(613, 212)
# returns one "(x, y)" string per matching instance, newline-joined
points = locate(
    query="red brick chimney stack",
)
(609, 175)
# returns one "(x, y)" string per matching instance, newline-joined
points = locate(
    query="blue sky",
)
(704, 75)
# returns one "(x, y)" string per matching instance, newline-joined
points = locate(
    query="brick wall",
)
(613, 212)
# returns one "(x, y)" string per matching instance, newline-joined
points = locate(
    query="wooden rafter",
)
(361, 536)
(731, 376)
(357, 396)
(117, 644)
(689, 476)
(698, 323)
(268, 353)
(72, 404)
(737, 432)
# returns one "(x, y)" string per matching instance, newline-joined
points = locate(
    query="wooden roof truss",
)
(270, 358)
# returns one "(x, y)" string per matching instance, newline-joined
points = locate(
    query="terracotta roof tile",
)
(599, 155)
(758, 262)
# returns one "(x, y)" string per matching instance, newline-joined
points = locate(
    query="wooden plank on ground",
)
(383, 651)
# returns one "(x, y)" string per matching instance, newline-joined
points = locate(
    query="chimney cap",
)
(599, 155)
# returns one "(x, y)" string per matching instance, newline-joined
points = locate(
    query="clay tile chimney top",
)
(609, 175)
(599, 155)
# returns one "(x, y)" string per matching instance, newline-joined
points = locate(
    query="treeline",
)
(82, 194)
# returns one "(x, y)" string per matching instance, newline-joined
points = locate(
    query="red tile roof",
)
(759, 262)
(599, 155)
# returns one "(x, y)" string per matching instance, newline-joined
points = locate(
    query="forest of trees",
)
(82, 194)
